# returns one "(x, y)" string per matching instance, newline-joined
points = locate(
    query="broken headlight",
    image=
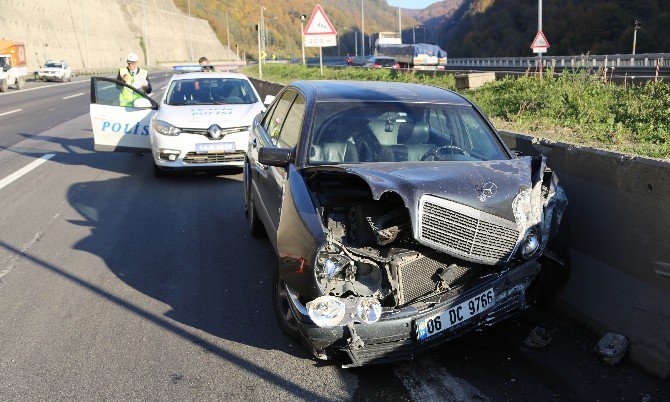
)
(326, 311)
(331, 263)
(530, 244)
(331, 311)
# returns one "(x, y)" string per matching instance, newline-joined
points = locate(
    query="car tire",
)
(3, 86)
(20, 83)
(256, 227)
(158, 172)
(282, 309)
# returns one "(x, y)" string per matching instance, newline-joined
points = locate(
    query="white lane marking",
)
(10, 112)
(16, 258)
(108, 86)
(43, 87)
(164, 86)
(32, 165)
(75, 95)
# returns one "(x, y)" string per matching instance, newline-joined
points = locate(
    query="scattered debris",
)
(538, 338)
(646, 398)
(612, 347)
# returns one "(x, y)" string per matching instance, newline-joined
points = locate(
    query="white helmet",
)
(132, 57)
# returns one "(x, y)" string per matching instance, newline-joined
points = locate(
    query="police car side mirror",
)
(142, 103)
(268, 100)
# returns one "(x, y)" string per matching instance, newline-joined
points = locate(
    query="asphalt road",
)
(117, 285)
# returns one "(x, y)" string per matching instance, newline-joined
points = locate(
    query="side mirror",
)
(518, 153)
(6, 67)
(143, 103)
(269, 99)
(279, 157)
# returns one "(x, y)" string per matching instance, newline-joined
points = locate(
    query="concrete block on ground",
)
(473, 80)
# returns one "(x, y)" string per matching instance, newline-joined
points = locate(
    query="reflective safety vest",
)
(127, 96)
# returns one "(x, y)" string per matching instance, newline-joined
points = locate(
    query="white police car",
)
(202, 121)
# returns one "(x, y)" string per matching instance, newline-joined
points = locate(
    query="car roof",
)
(361, 91)
(197, 75)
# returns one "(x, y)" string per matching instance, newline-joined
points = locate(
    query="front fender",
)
(299, 236)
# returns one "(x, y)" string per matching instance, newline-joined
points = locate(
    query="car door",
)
(269, 176)
(119, 128)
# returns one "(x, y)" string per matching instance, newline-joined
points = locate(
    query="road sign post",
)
(539, 46)
(320, 33)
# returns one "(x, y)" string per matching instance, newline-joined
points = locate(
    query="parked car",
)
(382, 62)
(399, 217)
(202, 121)
(55, 71)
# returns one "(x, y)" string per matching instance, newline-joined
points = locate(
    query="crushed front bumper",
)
(394, 336)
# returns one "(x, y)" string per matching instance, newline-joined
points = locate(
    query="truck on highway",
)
(13, 68)
(420, 56)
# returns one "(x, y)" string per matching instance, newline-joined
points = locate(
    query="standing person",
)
(134, 76)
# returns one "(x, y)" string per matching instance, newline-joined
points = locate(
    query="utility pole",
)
(355, 43)
(638, 25)
(260, 65)
(261, 29)
(399, 23)
(413, 35)
(539, 29)
(303, 17)
(362, 28)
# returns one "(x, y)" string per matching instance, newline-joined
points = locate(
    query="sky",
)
(420, 4)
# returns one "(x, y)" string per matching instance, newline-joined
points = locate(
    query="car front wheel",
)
(282, 309)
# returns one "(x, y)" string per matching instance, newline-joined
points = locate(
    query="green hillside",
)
(487, 28)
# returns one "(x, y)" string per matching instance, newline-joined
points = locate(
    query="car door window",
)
(290, 131)
(276, 121)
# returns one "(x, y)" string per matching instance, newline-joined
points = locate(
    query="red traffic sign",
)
(319, 24)
(540, 41)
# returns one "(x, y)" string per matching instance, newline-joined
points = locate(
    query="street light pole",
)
(413, 35)
(355, 43)
(362, 28)
(399, 23)
(303, 17)
(638, 25)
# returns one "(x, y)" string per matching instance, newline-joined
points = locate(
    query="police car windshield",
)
(210, 91)
(54, 65)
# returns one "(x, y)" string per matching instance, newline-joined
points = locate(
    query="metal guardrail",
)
(646, 60)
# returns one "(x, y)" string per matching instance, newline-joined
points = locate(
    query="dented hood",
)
(489, 186)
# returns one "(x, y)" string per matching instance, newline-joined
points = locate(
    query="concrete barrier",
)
(618, 230)
(618, 223)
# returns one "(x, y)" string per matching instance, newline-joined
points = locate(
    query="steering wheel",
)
(438, 152)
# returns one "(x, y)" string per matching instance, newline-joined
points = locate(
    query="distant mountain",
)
(282, 17)
(485, 28)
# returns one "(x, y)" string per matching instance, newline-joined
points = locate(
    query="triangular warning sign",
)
(540, 41)
(319, 24)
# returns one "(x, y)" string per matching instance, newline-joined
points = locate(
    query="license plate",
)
(455, 315)
(215, 147)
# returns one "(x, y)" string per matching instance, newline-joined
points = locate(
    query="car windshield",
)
(54, 65)
(210, 91)
(400, 132)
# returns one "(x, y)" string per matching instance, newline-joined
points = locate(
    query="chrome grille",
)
(193, 157)
(466, 232)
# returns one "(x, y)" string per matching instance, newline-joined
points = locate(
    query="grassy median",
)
(576, 107)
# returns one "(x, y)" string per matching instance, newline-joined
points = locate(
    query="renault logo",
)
(214, 132)
(487, 190)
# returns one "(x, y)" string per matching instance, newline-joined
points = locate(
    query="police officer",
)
(134, 76)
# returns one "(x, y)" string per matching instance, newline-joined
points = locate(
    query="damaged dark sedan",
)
(399, 217)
